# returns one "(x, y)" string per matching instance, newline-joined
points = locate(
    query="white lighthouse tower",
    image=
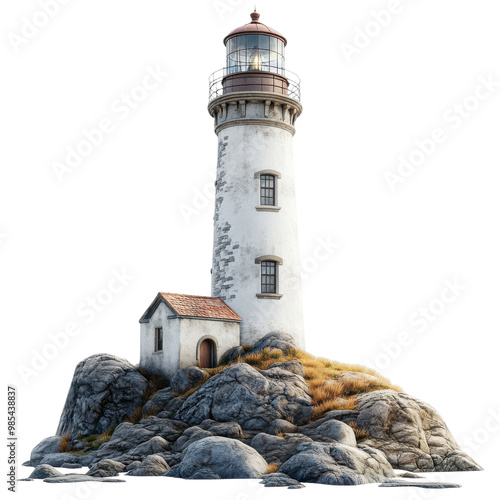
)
(255, 102)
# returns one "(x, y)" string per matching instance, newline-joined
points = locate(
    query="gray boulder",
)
(190, 436)
(88, 459)
(224, 429)
(166, 428)
(159, 401)
(187, 378)
(279, 480)
(42, 471)
(133, 465)
(232, 355)
(293, 366)
(207, 428)
(81, 478)
(419, 484)
(126, 437)
(126, 441)
(251, 398)
(106, 468)
(46, 446)
(410, 475)
(361, 377)
(78, 446)
(219, 457)
(203, 473)
(282, 427)
(275, 449)
(58, 459)
(332, 429)
(345, 416)
(156, 444)
(104, 390)
(337, 464)
(275, 340)
(172, 407)
(153, 465)
(411, 433)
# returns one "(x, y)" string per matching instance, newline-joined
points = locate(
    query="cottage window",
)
(158, 339)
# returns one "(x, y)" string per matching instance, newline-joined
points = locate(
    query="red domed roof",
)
(255, 27)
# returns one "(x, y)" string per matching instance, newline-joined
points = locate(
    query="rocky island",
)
(268, 411)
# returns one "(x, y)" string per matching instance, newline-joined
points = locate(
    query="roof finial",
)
(255, 15)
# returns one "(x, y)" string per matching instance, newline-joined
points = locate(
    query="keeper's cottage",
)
(256, 284)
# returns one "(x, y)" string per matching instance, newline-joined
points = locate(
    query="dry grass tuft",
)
(253, 359)
(360, 433)
(106, 435)
(262, 360)
(272, 468)
(280, 434)
(276, 354)
(326, 391)
(330, 391)
(65, 445)
(136, 416)
(214, 371)
(333, 404)
(152, 412)
(93, 441)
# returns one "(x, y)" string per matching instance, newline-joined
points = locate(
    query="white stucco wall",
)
(224, 334)
(166, 362)
(181, 339)
(242, 233)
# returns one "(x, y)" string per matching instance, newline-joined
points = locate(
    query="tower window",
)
(268, 190)
(158, 339)
(268, 277)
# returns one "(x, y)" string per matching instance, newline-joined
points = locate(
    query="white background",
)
(124, 206)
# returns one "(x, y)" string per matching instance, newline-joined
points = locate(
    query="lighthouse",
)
(256, 283)
(255, 103)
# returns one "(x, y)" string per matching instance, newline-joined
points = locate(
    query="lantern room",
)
(255, 62)
(255, 47)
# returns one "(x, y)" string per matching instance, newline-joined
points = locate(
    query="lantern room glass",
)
(255, 53)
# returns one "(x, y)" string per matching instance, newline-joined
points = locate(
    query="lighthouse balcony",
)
(230, 81)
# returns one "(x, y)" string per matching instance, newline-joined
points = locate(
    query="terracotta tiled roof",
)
(199, 307)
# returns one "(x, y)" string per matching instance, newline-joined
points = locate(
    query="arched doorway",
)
(207, 354)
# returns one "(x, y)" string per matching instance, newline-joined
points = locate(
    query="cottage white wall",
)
(242, 233)
(225, 334)
(165, 362)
